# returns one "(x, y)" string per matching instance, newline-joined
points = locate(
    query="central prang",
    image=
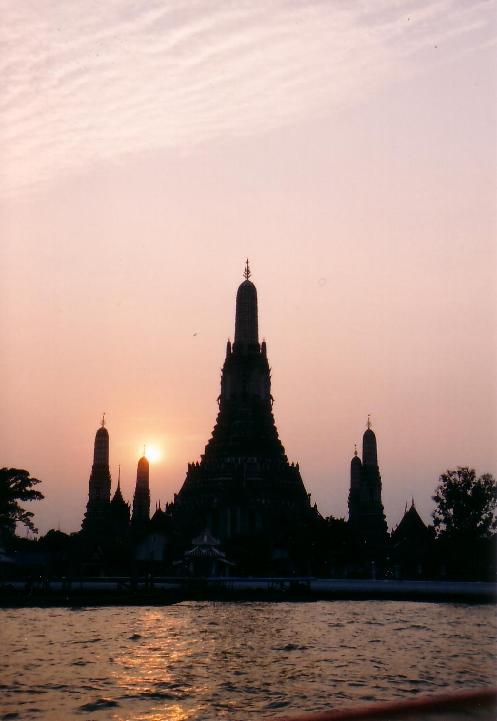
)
(244, 490)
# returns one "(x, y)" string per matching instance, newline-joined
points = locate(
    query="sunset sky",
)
(348, 149)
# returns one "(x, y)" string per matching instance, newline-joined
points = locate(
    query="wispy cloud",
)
(86, 81)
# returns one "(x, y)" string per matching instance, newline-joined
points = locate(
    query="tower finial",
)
(119, 476)
(103, 420)
(355, 449)
(369, 449)
(246, 326)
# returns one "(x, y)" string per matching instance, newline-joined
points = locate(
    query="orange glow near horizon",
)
(347, 152)
(153, 453)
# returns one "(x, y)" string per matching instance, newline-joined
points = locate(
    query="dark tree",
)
(54, 540)
(465, 505)
(16, 485)
(465, 523)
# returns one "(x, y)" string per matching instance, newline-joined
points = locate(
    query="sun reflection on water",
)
(172, 713)
(162, 646)
(210, 661)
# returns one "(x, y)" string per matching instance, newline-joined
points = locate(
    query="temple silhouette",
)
(366, 516)
(112, 517)
(244, 485)
(242, 510)
(243, 494)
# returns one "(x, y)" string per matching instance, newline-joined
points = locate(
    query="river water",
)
(199, 660)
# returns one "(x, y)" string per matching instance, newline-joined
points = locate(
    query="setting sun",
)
(152, 453)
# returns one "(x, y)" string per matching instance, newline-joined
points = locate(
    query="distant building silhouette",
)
(205, 558)
(96, 515)
(411, 548)
(141, 498)
(244, 487)
(106, 518)
(366, 515)
(152, 543)
(243, 492)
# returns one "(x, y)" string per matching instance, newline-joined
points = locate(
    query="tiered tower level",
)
(99, 483)
(243, 485)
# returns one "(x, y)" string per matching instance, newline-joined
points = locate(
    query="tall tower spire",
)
(244, 486)
(366, 515)
(101, 447)
(99, 483)
(246, 324)
(141, 498)
(118, 516)
(355, 485)
(118, 496)
(369, 450)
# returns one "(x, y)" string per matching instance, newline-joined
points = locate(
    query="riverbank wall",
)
(163, 591)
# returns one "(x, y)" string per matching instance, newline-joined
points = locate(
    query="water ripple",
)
(206, 661)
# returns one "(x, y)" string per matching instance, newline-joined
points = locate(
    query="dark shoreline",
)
(161, 592)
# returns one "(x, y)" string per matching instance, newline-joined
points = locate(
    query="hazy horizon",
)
(349, 153)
